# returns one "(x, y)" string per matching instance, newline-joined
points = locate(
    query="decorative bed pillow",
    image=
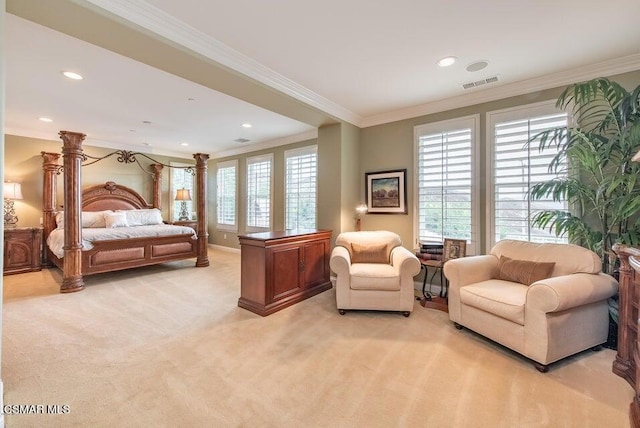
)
(117, 219)
(144, 217)
(89, 219)
(523, 271)
(369, 253)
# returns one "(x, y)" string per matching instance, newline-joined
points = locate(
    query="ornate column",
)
(157, 184)
(72, 163)
(50, 169)
(201, 208)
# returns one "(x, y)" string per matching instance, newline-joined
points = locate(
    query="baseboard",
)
(223, 248)
(435, 288)
(1, 404)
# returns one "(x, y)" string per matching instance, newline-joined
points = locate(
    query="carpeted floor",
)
(167, 346)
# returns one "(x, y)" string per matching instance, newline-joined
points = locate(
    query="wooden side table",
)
(22, 250)
(189, 223)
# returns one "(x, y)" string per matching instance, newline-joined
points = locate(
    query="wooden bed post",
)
(201, 209)
(157, 184)
(50, 169)
(72, 162)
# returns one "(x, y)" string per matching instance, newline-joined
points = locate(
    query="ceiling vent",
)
(241, 140)
(476, 83)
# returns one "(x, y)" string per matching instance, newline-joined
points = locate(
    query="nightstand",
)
(22, 250)
(189, 223)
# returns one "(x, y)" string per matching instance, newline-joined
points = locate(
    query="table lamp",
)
(12, 192)
(183, 195)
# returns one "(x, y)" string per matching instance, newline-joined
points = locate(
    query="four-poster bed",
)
(126, 250)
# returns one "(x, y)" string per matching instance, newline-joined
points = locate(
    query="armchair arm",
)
(404, 260)
(569, 291)
(340, 261)
(469, 270)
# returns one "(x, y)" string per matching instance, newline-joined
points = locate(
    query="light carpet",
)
(167, 346)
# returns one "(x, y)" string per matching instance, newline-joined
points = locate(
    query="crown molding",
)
(95, 142)
(309, 135)
(161, 23)
(566, 77)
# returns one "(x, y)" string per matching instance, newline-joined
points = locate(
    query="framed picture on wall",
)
(386, 192)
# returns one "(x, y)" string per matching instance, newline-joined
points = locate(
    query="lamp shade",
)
(183, 195)
(12, 190)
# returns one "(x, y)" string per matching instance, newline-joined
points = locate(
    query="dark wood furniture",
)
(627, 362)
(188, 223)
(115, 254)
(22, 250)
(279, 269)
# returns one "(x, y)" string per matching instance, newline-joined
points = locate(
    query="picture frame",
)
(386, 192)
(454, 248)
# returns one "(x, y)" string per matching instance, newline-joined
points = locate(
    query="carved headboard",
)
(112, 196)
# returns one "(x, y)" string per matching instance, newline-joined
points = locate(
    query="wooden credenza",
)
(627, 362)
(22, 250)
(279, 269)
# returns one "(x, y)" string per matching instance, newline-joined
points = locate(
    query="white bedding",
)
(89, 235)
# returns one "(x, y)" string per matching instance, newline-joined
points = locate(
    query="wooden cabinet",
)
(279, 269)
(627, 362)
(22, 250)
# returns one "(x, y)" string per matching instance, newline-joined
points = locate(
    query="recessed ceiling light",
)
(146, 122)
(132, 130)
(191, 99)
(72, 75)
(184, 144)
(146, 144)
(447, 61)
(247, 125)
(477, 66)
(45, 119)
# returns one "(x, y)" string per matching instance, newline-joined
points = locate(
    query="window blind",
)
(226, 195)
(259, 192)
(300, 188)
(444, 183)
(515, 169)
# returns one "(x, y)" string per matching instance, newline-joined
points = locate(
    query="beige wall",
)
(23, 164)
(390, 146)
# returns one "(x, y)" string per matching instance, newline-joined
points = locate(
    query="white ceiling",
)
(361, 61)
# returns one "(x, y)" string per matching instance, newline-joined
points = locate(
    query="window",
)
(259, 191)
(515, 167)
(181, 178)
(300, 188)
(446, 190)
(226, 179)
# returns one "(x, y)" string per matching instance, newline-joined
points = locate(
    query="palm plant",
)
(602, 181)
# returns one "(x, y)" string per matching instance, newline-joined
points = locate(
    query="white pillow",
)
(89, 219)
(117, 219)
(143, 217)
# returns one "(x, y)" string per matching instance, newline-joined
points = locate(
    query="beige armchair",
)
(563, 311)
(374, 271)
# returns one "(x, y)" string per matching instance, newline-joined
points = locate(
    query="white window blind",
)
(300, 188)
(181, 179)
(516, 167)
(226, 179)
(445, 185)
(259, 191)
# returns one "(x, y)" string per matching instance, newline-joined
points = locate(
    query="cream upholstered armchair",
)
(544, 301)
(374, 271)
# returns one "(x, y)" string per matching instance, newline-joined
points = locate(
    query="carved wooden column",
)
(201, 209)
(157, 185)
(72, 162)
(50, 169)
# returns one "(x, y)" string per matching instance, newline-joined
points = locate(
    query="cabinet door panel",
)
(286, 272)
(314, 263)
(19, 253)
